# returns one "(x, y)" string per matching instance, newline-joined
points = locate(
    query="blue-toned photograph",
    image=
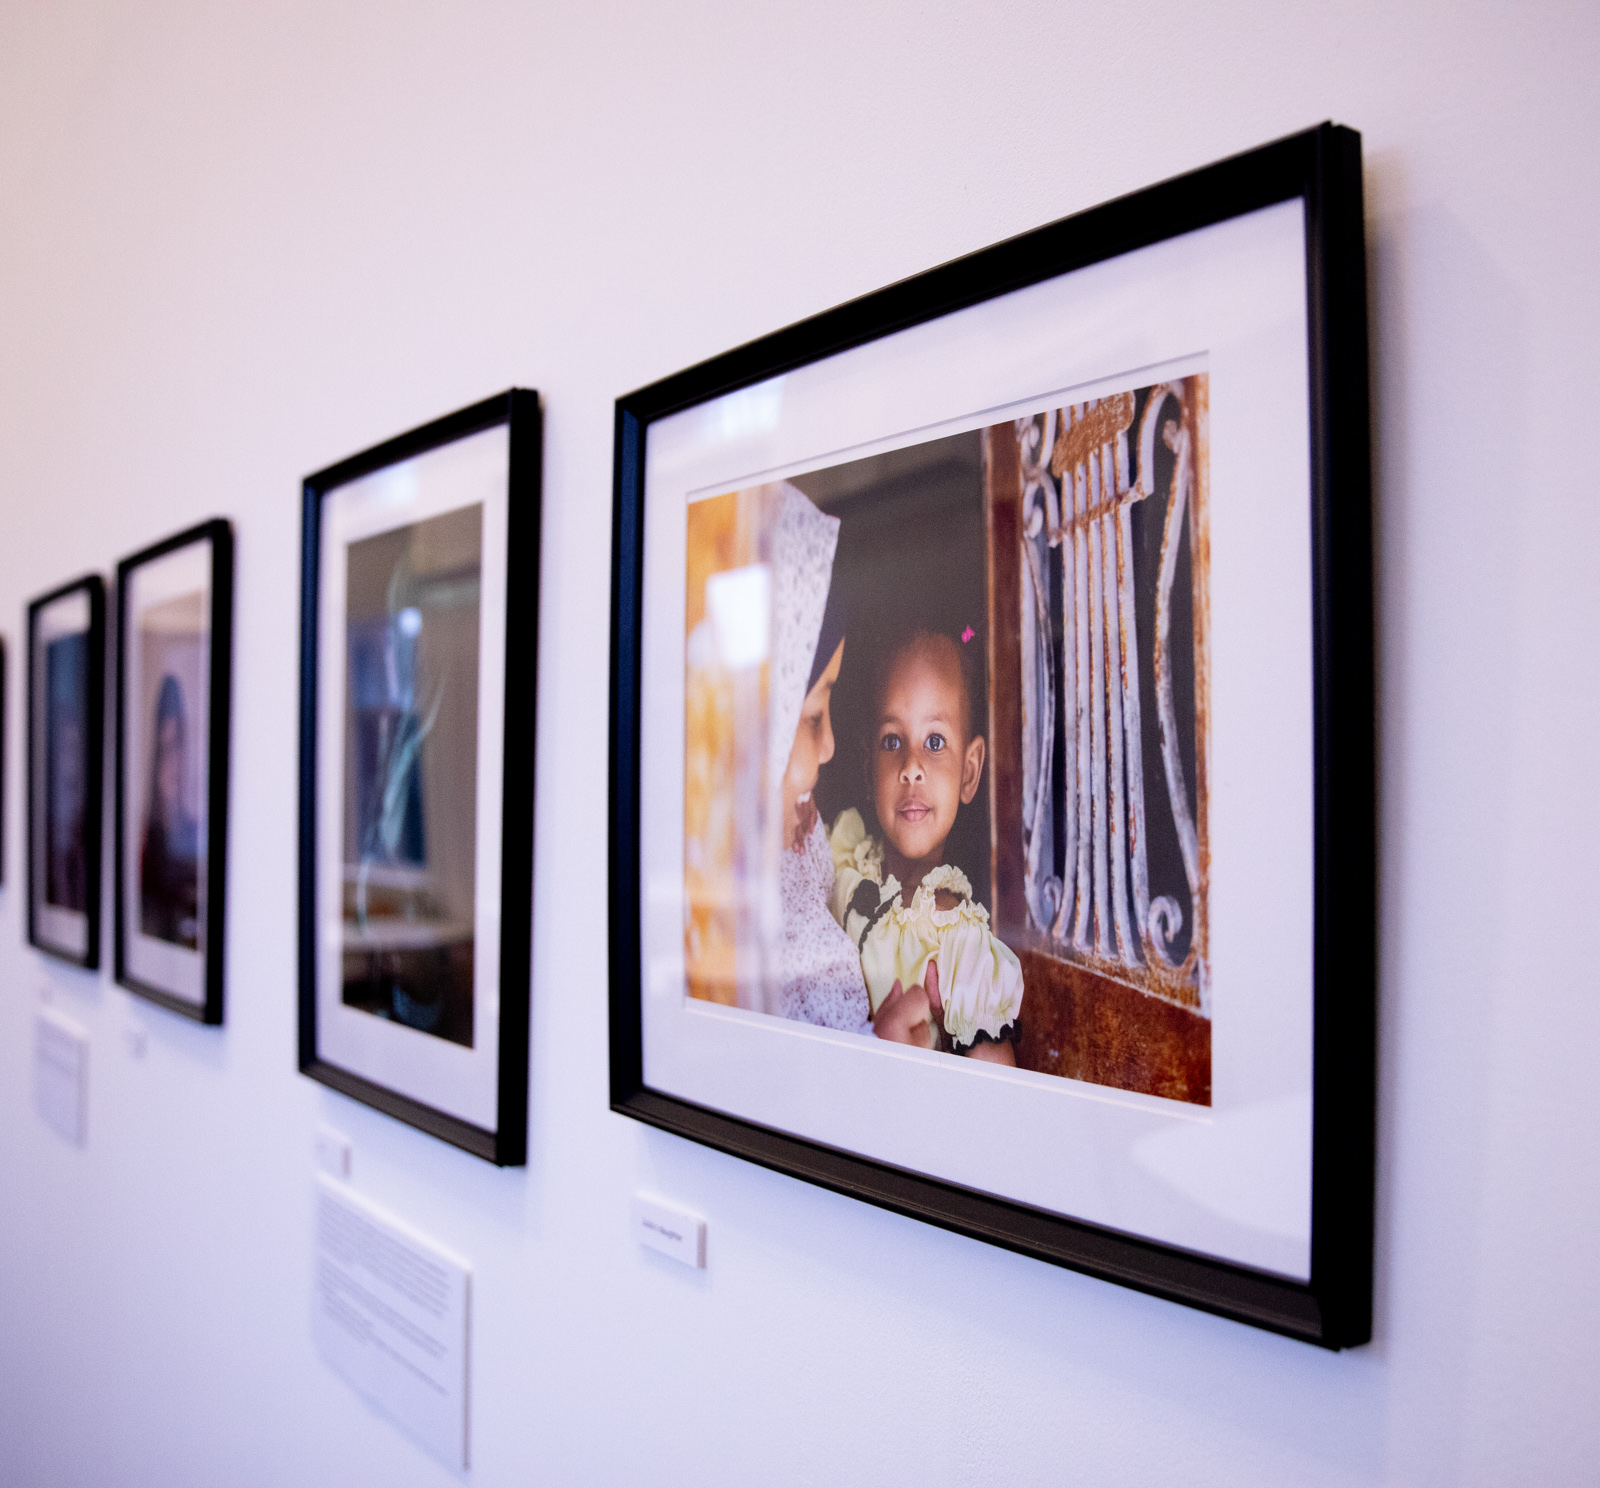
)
(66, 721)
(411, 742)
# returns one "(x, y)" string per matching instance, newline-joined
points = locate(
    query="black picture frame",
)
(5, 698)
(90, 762)
(519, 410)
(1320, 168)
(217, 535)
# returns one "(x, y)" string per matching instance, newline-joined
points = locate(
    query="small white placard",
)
(672, 1231)
(61, 1074)
(390, 1313)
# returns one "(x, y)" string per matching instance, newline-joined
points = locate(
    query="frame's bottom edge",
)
(1219, 1287)
(86, 961)
(197, 1012)
(452, 1129)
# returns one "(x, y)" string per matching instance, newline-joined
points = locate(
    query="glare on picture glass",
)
(170, 717)
(411, 743)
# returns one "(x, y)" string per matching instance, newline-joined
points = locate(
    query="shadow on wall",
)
(1448, 368)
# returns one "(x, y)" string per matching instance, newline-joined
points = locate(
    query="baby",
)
(911, 913)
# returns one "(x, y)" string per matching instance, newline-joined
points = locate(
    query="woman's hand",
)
(912, 1015)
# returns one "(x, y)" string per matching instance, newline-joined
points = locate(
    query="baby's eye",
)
(935, 743)
(889, 742)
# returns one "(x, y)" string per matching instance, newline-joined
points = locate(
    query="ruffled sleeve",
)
(985, 982)
(980, 977)
(848, 835)
(857, 860)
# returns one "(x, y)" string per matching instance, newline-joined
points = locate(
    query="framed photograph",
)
(4, 716)
(992, 746)
(174, 644)
(419, 676)
(66, 701)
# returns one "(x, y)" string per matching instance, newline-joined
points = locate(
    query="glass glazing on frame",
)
(166, 738)
(66, 691)
(172, 822)
(946, 712)
(62, 785)
(410, 773)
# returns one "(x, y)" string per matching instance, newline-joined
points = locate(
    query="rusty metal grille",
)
(1097, 612)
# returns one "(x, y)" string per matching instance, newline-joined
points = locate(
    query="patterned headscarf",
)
(803, 544)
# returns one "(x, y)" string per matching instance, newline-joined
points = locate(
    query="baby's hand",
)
(808, 815)
(931, 985)
(912, 1015)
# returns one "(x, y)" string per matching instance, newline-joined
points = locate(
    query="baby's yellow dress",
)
(980, 978)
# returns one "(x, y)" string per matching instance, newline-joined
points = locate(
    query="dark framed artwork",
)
(66, 702)
(174, 649)
(419, 675)
(4, 716)
(992, 746)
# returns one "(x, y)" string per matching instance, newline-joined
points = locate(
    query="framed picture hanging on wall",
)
(992, 801)
(5, 697)
(174, 647)
(66, 701)
(419, 628)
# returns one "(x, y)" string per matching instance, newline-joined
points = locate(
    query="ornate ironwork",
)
(1080, 641)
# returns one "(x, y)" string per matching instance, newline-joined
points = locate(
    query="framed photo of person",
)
(419, 678)
(66, 700)
(4, 698)
(174, 644)
(992, 743)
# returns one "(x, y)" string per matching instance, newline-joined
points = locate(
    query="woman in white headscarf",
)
(819, 967)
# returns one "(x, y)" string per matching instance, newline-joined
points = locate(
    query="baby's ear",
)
(972, 769)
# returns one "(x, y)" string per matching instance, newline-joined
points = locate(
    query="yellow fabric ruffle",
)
(980, 978)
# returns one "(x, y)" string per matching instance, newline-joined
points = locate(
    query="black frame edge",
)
(1275, 1303)
(94, 775)
(425, 1118)
(5, 718)
(624, 952)
(306, 946)
(1344, 746)
(524, 516)
(1269, 173)
(218, 533)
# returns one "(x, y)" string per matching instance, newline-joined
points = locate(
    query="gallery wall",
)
(240, 242)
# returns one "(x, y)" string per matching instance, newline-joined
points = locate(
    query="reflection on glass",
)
(1033, 595)
(411, 742)
(67, 699)
(169, 857)
(168, 712)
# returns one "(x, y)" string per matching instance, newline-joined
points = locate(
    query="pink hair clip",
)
(967, 635)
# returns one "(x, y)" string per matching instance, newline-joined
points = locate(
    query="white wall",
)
(238, 242)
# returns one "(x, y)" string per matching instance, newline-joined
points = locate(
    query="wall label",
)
(390, 1311)
(670, 1230)
(61, 1074)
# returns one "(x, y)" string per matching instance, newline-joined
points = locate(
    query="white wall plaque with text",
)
(390, 1312)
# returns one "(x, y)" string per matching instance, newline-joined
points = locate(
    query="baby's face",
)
(924, 767)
